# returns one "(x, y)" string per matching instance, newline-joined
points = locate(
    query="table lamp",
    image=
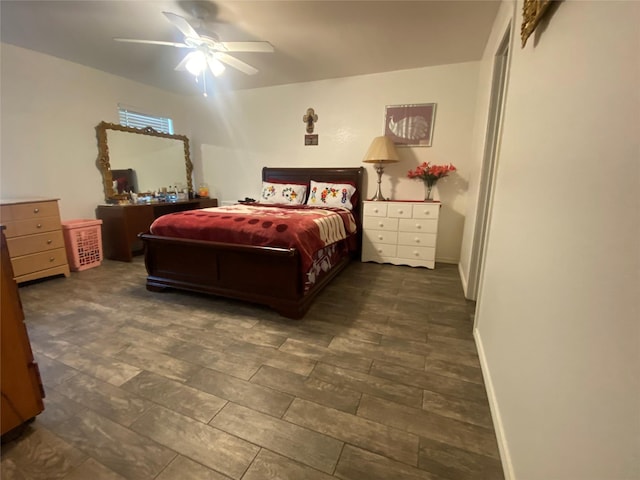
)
(380, 152)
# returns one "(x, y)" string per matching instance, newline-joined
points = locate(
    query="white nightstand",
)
(402, 233)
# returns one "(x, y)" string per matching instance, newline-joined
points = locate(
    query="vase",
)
(428, 191)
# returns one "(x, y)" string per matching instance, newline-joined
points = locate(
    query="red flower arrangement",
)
(430, 174)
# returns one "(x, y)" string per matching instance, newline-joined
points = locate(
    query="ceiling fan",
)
(207, 50)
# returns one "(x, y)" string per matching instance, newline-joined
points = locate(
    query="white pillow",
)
(331, 194)
(288, 193)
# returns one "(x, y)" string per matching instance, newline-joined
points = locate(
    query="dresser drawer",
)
(381, 236)
(375, 209)
(5, 214)
(34, 210)
(418, 225)
(416, 253)
(39, 261)
(28, 227)
(399, 210)
(426, 210)
(378, 223)
(417, 239)
(35, 243)
(379, 252)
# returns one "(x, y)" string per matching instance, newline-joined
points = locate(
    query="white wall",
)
(558, 317)
(48, 114)
(244, 131)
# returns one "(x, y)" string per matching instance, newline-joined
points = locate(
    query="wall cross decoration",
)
(310, 118)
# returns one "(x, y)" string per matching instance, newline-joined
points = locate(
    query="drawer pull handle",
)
(427, 212)
(417, 254)
(418, 226)
(36, 210)
(49, 242)
(380, 237)
(400, 212)
(379, 250)
(51, 259)
(417, 240)
(375, 210)
(381, 224)
(39, 225)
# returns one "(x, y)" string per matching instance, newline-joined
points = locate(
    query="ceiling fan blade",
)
(265, 47)
(152, 42)
(181, 24)
(235, 63)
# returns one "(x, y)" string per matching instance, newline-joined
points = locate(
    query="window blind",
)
(129, 118)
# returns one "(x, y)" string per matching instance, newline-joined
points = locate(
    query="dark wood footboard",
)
(263, 275)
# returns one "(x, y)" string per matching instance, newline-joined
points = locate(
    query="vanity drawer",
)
(34, 225)
(35, 243)
(39, 261)
(34, 210)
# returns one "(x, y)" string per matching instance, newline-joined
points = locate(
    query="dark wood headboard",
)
(353, 175)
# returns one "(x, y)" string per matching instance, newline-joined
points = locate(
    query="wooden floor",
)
(380, 380)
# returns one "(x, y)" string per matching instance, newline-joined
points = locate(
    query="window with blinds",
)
(129, 118)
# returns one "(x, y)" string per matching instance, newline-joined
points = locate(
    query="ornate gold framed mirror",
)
(154, 159)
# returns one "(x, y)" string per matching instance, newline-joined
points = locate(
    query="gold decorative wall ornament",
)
(532, 13)
(310, 118)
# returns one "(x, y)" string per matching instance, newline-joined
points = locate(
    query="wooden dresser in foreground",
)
(121, 224)
(22, 390)
(34, 237)
(402, 233)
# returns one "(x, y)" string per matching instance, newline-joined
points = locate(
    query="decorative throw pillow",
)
(288, 193)
(331, 194)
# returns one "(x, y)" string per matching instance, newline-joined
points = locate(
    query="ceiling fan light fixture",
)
(196, 63)
(216, 66)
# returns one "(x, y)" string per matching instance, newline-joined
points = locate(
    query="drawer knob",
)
(51, 259)
(417, 254)
(427, 212)
(401, 211)
(49, 242)
(379, 250)
(418, 226)
(36, 210)
(417, 240)
(381, 224)
(375, 210)
(39, 225)
(380, 237)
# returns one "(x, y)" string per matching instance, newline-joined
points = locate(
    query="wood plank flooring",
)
(381, 380)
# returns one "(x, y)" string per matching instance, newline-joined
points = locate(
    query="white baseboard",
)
(503, 447)
(226, 203)
(463, 279)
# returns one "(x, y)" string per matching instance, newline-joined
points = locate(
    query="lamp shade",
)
(381, 150)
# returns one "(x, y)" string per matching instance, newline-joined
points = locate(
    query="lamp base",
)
(378, 196)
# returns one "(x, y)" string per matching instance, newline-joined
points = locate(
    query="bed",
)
(262, 274)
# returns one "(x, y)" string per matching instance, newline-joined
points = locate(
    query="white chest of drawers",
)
(34, 238)
(402, 233)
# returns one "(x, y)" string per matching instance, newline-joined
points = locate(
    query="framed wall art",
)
(532, 13)
(410, 125)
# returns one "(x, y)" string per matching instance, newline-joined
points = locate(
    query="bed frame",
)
(221, 268)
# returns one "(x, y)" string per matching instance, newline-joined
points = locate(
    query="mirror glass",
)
(156, 159)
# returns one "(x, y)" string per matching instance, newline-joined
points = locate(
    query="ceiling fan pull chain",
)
(204, 86)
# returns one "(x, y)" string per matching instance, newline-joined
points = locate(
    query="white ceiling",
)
(313, 40)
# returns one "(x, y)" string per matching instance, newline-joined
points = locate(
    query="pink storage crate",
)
(83, 239)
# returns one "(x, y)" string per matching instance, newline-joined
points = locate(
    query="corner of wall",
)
(503, 447)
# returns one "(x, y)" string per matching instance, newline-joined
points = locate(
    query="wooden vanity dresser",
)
(121, 224)
(34, 237)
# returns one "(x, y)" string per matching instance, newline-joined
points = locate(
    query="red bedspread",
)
(305, 228)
